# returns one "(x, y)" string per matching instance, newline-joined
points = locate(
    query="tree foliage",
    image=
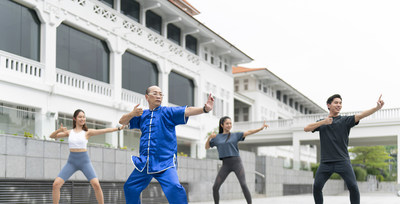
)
(371, 157)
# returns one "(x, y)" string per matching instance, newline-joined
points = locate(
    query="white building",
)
(261, 95)
(60, 55)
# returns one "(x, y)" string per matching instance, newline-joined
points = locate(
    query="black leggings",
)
(228, 165)
(344, 169)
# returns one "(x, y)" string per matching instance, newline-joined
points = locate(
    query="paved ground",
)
(373, 198)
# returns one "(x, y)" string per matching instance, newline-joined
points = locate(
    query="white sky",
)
(320, 47)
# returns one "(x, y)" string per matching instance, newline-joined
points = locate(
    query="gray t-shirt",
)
(227, 148)
(334, 138)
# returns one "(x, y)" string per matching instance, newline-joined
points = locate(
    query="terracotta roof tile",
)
(244, 69)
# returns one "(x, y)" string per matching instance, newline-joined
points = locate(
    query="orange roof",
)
(185, 6)
(236, 70)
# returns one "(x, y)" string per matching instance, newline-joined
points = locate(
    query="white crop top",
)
(77, 140)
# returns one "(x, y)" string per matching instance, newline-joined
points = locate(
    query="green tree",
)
(371, 157)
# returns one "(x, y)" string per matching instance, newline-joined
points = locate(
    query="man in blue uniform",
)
(334, 138)
(158, 147)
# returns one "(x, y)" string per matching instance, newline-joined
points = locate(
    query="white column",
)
(296, 152)
(112, 138)
(45, 119)
(163, 79)
(193, 150)
(116, 75)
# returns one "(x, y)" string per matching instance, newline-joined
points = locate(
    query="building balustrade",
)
(302, 121)
(20, 66)
(85, 84)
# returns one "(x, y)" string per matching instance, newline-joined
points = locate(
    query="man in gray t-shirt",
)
(334, 139)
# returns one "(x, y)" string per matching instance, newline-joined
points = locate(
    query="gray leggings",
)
(230, 164)
(78, 161)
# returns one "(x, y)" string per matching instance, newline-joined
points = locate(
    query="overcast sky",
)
(320, 47)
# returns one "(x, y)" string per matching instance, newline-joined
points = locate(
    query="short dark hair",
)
(330, 99)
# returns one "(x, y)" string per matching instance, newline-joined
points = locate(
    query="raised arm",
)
(94, 132)
(213, 135)
(61, 132)
(127, 117)
(199, 110)
(366, 113)
(313, 126)
(249, 132)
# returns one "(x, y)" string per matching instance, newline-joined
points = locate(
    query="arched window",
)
(180, 90)
(19, 30)
(138, 73)
(82, 54)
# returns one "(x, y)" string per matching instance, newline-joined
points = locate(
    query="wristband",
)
(204, 109)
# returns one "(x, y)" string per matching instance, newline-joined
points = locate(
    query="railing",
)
(133, 97)
(275, 124)
(301, 121)
(85, 84)
(20, 66)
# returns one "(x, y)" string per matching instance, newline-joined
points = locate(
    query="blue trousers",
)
(168, 180)
(345, 170)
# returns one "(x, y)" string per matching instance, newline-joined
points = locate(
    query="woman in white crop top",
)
(78, 158)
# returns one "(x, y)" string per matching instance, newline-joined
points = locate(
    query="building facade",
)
(60, 55)
(261, 95)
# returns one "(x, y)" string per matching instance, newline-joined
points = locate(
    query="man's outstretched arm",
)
(199, 110)
(366, 113)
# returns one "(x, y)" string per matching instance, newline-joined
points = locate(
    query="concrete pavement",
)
(372, 198)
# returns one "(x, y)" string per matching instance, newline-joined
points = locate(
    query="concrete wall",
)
(201, 174)
(26, 158)
(276, 177)
(32, 159)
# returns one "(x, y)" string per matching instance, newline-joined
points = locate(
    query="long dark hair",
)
(74, 120)
(221, 130)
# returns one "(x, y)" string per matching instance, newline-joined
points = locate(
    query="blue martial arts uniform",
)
(157, 159)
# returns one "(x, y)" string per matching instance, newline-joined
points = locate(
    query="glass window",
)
(138, 73)
(132, 139)
(20, 30)
(174, 33)
(131, 8)
(153, 21)
(180, 90)
(191, 44)
(67, 121)
(109, 3)
(278, 95)
(246, 114)
(285, 99)
(82, 54)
